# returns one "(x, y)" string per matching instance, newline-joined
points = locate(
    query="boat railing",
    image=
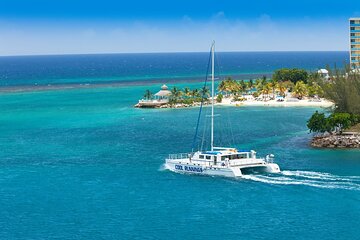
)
(180, 155)
(269, 158)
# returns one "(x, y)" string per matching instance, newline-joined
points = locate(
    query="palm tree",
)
(187, 91)
(281, 88)
(235, 87)
(229, 85)
(266, 90)
(175, 94)
(273, 84)
(289, 85)
(263, 78)
(243, 85)
(205, 92)
(251, 83)
(300, 89)
(148, 95)
(260, 83)
(222, 86)
(194, 93)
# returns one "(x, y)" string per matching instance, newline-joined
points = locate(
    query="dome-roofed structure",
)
(164, 92)
(160, 98)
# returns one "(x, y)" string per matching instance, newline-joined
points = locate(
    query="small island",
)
(287, 87)
(175, 98)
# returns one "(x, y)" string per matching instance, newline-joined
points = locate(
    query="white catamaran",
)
(219, 161)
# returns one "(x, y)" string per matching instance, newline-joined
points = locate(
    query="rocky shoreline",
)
(337, 141)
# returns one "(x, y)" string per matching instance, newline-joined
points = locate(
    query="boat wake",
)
(309, 178)
(163, 167)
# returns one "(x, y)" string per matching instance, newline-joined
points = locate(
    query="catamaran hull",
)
(216, 171)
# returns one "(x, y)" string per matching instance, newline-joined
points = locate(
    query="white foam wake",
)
(308, 178)
(321, 176)
(163, 167)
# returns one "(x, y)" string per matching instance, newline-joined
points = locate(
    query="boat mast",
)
(212, 93)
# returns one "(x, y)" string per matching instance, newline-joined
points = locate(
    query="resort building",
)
(355, 42)
(324, 74)
(159, 99)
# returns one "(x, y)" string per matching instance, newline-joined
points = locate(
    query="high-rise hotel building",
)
(355, 42)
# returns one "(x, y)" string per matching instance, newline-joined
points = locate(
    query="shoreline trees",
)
(344, 90)
(297, 82)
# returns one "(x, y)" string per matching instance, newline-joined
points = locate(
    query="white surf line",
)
(321, 176)
(312, 179)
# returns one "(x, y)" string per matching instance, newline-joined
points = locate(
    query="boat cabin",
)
(223, 155)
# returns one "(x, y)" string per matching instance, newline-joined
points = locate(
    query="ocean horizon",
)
(81, 70)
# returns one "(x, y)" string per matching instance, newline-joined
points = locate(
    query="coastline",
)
(345, 140)
(273, 103)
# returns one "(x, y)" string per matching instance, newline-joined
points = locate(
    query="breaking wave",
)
(309, 178)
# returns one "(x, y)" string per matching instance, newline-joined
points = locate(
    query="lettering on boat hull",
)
(189, 168)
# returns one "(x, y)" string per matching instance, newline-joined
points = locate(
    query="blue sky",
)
(116, 26)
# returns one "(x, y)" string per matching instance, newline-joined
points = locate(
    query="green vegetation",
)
(344, 90)
(189, 96)
(148, 95)
(293, 75)
(219, 98)
(337, 122)
(300, 90)
(296, 82)
(318, 123)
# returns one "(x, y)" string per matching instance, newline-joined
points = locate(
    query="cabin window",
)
(241, 156)
(208, 157)
(201, 156)
(223, 158)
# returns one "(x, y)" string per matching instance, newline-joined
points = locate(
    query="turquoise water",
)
(84, 164)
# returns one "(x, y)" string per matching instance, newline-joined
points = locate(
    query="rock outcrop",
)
(337, 141)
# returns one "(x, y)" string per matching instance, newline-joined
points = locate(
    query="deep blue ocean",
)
(82, 163)
(154, 67)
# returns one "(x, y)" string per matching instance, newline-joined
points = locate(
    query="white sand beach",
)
(274, 103)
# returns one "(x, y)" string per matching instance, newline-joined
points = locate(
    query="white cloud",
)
(262, 34)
